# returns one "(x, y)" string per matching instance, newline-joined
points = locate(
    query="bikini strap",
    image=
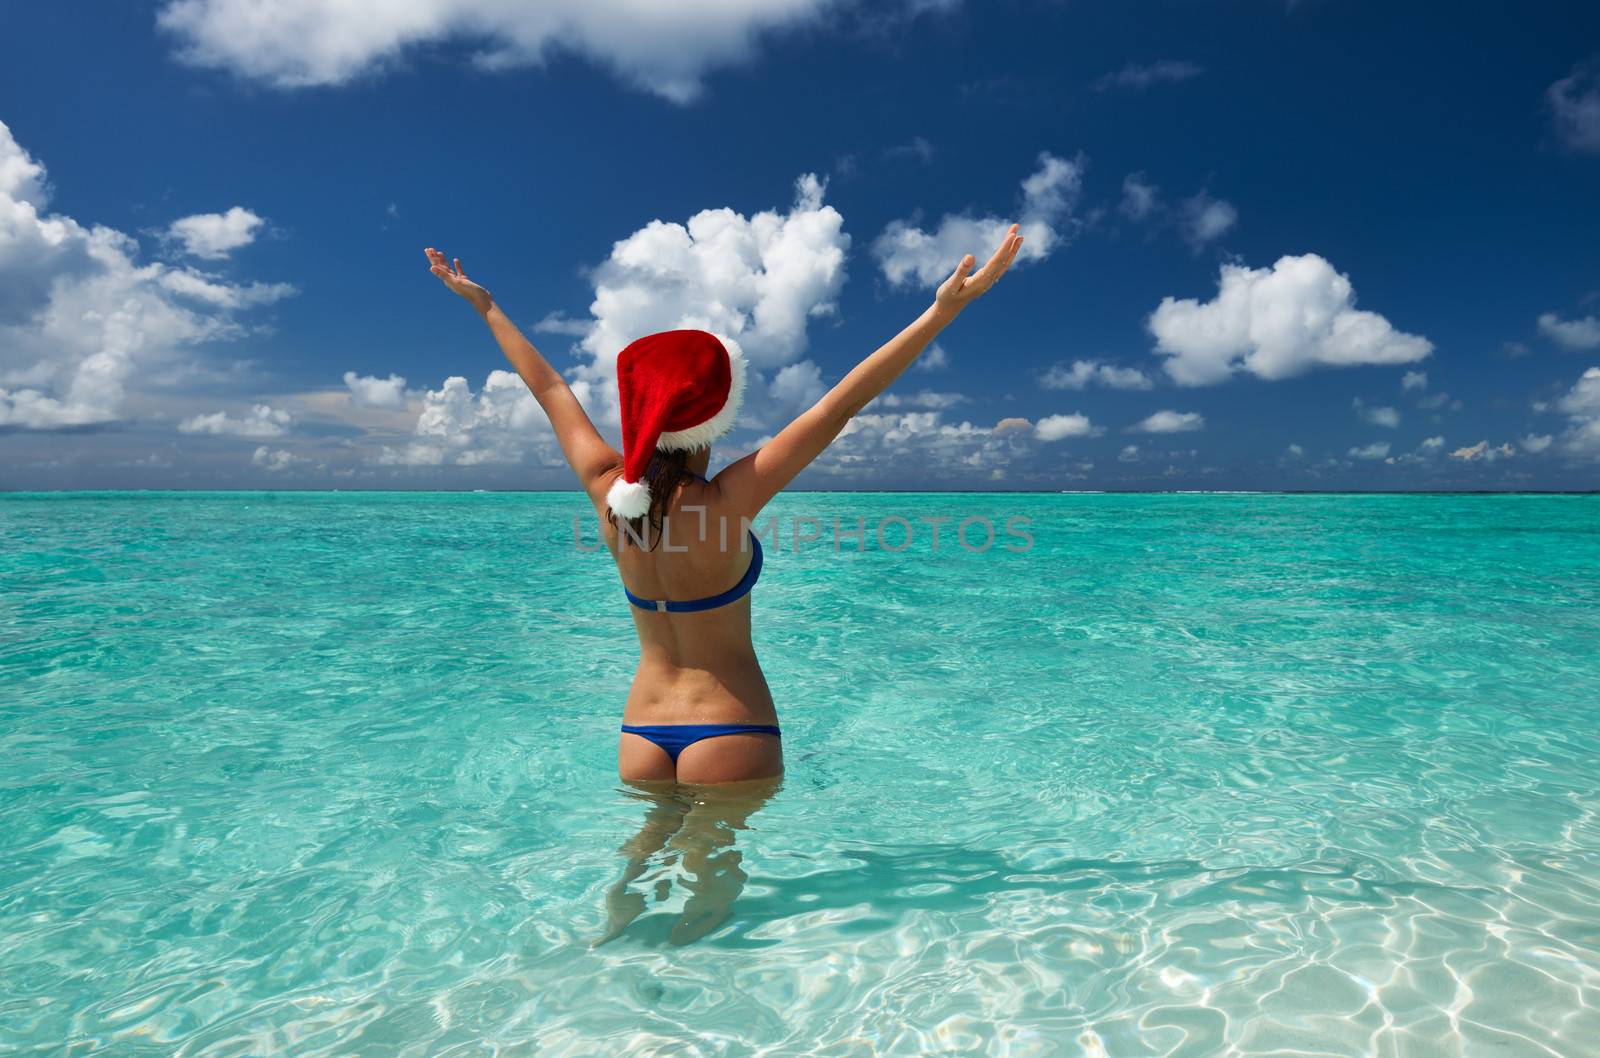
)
(733, 594)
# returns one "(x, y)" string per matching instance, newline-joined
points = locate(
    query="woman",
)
(699, 711)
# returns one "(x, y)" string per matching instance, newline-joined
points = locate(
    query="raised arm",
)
(586, 451)
(752, 481)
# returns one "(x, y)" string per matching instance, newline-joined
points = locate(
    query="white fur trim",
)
(701, 436)
(628, 499)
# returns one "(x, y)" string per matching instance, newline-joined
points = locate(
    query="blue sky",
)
(1321, 245)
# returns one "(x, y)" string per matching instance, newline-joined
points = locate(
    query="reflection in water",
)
(694, 827)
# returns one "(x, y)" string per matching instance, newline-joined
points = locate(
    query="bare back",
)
(693, 667)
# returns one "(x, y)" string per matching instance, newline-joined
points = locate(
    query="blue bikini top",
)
(711, 602)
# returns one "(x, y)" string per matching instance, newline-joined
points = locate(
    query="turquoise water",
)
(334, 774)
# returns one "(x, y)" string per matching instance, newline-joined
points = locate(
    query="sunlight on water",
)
(1196, 775)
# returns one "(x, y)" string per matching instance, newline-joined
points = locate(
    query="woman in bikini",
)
(699, 711)
(700, 741)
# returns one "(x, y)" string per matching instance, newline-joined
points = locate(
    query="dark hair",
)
(666, 469)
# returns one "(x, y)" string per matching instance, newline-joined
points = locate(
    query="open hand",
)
(961, 289)
(456, 280)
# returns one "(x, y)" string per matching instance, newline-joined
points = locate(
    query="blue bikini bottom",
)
(675, 738)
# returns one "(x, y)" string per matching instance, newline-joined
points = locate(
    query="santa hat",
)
(677, 390)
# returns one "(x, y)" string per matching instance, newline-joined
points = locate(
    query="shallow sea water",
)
(334, 774)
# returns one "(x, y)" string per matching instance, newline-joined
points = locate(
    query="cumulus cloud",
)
(1571, 334)
(934, 358)
(662, 48)
(922, 443)
(1414, 380)
(80, 319)
(1483, 452)
(907, 253)
(1200, 219)
(1080, 373)
(1057, 427)
(757, 281)
(1575, 107)
(796, 386)
(1376, 415)
(1276, 323)
(275, 459)
(501, 423)
(218, 293)
(369, 391)
(1376, 450)
(1138, 78)
(1139, 196)
(1581, 405)
(1204, 219)
(261, 420)
(925, 398)
(214, 236)
(1536, 443)
(1170, 422)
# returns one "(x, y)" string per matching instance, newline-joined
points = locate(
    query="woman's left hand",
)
(456, 280)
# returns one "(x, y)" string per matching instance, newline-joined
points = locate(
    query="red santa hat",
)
(677, 390)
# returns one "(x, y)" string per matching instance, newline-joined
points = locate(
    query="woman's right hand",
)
(456, 280)
(961, 289)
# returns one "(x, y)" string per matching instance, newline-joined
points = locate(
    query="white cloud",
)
(1276, 323)
(1432, 443)
(1170, 422)
(934, 358)
(757, 281)
(917, 147)
(795, 387)
(1057, 427)
(1584, 397)
(1082, 372)
(1139, 196)
(1376, 450)
(1575, 107)
(922, 443)
(274, 459)
(1571, 334)
(560, 323)
(1581, 405)
(369, 391)
(1129, 454)
(1138, 78)
(664, 48)
(925, 398)
(1294, 451)
(81, 322)
(1414, 380)
(1536, 443)
(1376, 415)
(500, 424)
(261, 420)
(907, 253)
(1484, 452)
(1204, 219)
(199, 286)
(214, 236)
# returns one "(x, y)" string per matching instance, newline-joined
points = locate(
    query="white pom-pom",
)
(628, 499)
